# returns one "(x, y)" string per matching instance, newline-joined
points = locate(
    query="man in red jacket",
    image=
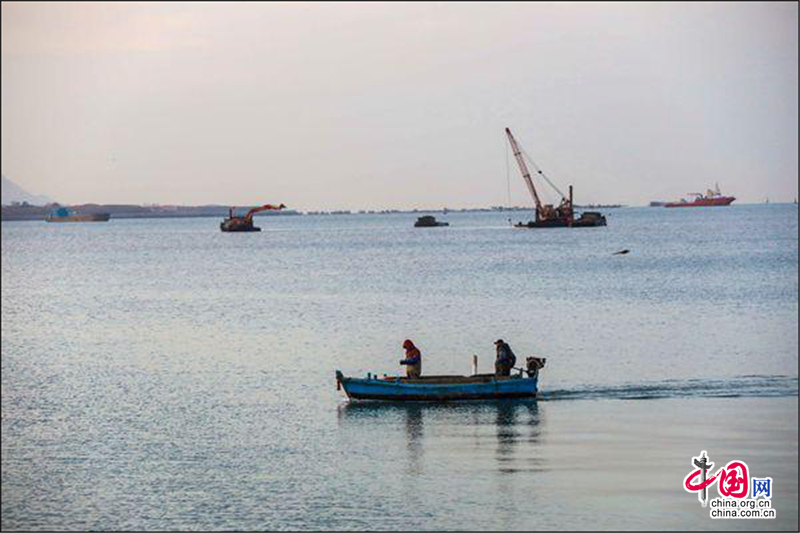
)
(413, 360)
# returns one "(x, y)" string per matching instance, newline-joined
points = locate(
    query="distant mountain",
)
(12, 192)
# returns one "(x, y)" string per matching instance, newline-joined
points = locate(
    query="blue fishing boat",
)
(444, 388)
(64, 214)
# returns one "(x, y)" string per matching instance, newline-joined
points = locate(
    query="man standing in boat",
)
(505, 359)
(413, 360)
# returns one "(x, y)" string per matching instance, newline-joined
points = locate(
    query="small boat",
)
(428, 221)
(245, 224)
(238, 224)
(444, 388)
(63, 214)
(711, 198)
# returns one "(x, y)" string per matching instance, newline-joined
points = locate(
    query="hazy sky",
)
(362, 105)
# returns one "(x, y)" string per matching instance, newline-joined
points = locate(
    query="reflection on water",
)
(517, 422)
(536, 465)
(508, 431)
(414, 435)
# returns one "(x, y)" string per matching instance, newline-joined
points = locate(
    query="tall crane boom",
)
(524, 169)
(548, 216)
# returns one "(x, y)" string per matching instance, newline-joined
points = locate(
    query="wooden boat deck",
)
(448, 380)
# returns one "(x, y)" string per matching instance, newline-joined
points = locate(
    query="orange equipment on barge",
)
(245, 223)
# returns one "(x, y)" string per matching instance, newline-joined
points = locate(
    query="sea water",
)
(161, 374)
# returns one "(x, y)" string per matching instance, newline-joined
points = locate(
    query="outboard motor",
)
(533, 365)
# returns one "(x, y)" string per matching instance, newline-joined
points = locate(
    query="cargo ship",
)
(710, 198)
(62, 214)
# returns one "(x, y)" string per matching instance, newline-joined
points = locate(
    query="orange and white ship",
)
(710, 198)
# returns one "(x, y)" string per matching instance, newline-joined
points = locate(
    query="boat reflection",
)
(469, 428)
(411, 414)
(516, 423)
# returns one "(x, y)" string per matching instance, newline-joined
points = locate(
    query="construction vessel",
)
(546, 215)
(245, 223)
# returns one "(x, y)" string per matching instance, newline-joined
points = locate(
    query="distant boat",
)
(428, 221)
(237, 224)
(711, 198)
(63, 214)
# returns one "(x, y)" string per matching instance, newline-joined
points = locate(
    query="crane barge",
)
(546, 215)
(245, 223)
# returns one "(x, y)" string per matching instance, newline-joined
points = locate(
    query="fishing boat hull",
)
(438, 388)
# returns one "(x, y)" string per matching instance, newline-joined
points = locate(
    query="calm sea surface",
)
(160, 374)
